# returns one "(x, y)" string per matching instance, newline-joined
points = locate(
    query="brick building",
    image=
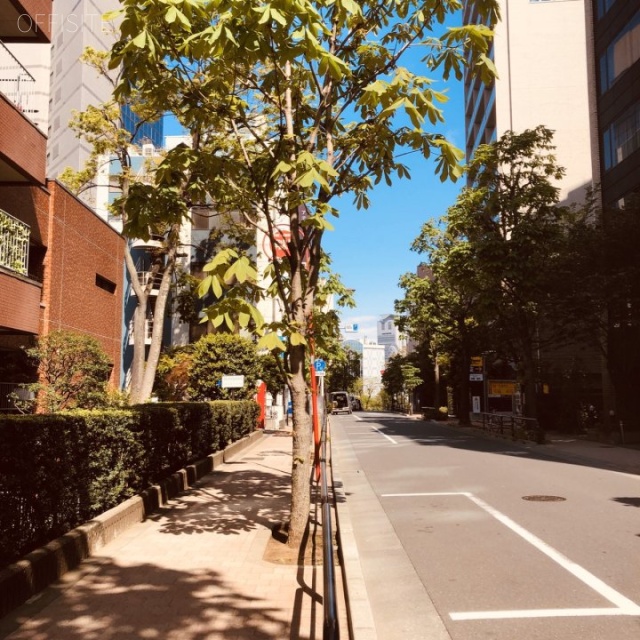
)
(60, 264)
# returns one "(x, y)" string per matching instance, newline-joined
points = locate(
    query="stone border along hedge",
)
(40, 568)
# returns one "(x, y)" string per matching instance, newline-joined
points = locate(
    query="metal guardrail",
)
(512, 425)
(330, 627)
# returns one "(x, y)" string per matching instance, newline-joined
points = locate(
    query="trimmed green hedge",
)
(57, 471)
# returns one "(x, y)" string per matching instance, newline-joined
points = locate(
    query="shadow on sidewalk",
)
(229, 502)
(148, 601)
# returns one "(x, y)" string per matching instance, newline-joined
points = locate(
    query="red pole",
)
(316, 420)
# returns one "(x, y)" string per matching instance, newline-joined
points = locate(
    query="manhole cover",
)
(544, 498)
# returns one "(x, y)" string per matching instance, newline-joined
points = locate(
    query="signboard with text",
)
(232, 382)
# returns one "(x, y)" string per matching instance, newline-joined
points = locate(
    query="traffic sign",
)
(319, 365)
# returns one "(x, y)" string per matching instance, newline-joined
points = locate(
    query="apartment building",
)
(60, 265)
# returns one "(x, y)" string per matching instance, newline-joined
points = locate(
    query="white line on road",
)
(623, 605)
(390, 439)
(537, 613)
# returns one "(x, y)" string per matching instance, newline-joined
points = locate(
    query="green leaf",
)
(297, 339)
(171, 15)
(140, 40)
(216, 286)
(204, 286)
(271, 341)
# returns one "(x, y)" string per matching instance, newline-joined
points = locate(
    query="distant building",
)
(373, 363)
(390, 337)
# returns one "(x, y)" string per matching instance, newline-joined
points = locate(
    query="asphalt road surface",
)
(468, 538)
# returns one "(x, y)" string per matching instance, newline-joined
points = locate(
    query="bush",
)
(73, 371)
(216, 355)
(57, 471)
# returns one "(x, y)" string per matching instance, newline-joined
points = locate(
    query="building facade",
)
(539, 51)
(60, 265)
(390, 337)
(614, 39)
(615, 46)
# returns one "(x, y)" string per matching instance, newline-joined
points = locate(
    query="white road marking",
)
(624, 606)
(537, 613)
(389, 438)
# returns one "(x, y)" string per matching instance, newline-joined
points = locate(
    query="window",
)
(604, 6)
(622, 138)
(105, 283)
(620, 54)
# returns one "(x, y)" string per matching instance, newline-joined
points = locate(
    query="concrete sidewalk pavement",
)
(194, 570)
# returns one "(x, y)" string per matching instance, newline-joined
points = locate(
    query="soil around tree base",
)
(308, 554)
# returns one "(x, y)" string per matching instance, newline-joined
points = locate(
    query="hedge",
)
(58, 471)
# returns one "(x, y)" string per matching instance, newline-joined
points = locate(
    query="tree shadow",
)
(149, 601)
(430, 433)
(228, 502)
(629, 502)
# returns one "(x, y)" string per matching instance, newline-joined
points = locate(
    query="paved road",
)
(451, 549)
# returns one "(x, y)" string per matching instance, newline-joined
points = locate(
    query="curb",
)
(44, 566)
(360, 617)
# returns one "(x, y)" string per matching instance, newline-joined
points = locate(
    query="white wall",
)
(541, 57)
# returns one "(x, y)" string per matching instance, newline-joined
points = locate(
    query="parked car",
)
(356, 405)
(340, 402)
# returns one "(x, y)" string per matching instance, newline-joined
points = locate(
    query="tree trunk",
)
(301, 454)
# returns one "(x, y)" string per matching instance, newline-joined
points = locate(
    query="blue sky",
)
(370, 249)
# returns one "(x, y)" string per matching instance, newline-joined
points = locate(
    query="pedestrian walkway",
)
(195, 570)
(590, 452)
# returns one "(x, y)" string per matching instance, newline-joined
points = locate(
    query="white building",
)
(390, 337)
(74, 85)
(373, 363)
(540, 54)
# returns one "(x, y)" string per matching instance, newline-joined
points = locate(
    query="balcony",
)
(148, 277)
(14, 244)
(20, 310)
(25, 20)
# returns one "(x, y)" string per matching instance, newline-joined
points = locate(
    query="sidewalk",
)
(194, 570)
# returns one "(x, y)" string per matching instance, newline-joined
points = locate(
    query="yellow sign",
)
(502, 388)
(476, 361)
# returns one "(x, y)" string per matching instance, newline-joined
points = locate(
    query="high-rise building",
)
(75, 85)
(539, 51)
(615, 46)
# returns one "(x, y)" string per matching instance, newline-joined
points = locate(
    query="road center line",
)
(623, 604)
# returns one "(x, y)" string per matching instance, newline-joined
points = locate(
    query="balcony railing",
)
(148, 331)
(146, 277)
(17, 84)
(14, 243)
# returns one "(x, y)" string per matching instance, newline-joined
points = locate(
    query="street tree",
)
(515, 233)
(440, 309)
(143, 210)
(399, 379)
(292, 105)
